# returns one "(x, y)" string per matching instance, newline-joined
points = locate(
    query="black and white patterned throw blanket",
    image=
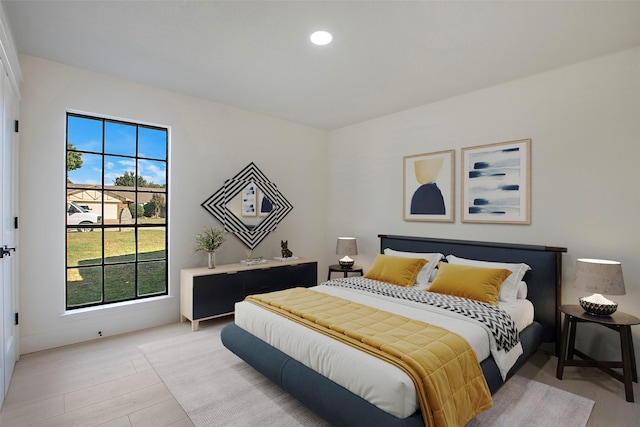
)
(498, 321)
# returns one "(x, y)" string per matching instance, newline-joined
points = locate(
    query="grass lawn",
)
(85, 272)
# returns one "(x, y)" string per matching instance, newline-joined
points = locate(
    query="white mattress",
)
(376, 381)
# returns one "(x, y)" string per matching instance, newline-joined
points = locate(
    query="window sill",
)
(115, 308)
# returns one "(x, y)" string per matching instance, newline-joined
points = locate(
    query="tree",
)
(149, 209)
(136, 210)
(129, 179)
(153, 207)
(158, 202)
(74, 158)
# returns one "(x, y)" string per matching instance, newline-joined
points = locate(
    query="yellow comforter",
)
(442, 365)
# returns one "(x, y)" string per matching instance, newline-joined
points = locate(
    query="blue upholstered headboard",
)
(543, 280)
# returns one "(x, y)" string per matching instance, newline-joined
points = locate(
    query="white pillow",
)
(434, 273)
(522, 290)
(424, 275)
(509, 288)
(425, 286)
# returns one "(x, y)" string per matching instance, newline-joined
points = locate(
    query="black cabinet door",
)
(263, 281)
(302, 275)
(216, 294)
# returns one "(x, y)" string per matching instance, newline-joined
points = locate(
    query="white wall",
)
(209, 143)
(584, 122)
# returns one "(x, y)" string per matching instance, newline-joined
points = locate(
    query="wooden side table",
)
(336, 268)
(618, 321)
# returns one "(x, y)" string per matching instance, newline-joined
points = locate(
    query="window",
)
(117, 221)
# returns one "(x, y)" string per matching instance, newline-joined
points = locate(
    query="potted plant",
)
(209, 241)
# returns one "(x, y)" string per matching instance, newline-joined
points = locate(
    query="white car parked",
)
(77, 215)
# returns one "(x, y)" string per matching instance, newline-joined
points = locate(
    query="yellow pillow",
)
(395, 270)
(478, 283)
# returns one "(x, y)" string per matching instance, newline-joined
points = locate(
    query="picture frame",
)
(496, 183)
(249, 199)
(428, 187)
(265, 205)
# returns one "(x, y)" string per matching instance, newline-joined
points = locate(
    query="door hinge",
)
(17, 319)
(16, 126)
(15, 222)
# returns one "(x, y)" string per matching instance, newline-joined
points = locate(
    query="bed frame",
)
(339, 406)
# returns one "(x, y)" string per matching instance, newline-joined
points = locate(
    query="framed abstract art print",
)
(249, 196)
(496, 183)
(428, 187)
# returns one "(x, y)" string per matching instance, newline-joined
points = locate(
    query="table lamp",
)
(602, 277)
(346, 246)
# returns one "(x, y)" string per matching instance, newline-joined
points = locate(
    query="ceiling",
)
(386, 56)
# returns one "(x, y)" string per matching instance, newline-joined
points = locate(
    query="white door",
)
(8, 208)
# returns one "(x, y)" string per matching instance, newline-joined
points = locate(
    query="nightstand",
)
(620, 322)
(336, 268)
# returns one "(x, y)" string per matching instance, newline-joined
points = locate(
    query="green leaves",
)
(210, 240)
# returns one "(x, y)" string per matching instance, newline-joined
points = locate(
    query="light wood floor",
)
(108, 382)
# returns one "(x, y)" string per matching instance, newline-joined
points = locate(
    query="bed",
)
(342, 403)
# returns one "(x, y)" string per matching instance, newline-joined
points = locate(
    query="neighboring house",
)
(92, 199)
(116, 199)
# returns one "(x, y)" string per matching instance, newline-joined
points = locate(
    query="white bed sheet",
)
(376, 381)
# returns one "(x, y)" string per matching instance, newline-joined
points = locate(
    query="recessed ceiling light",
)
(321, 38)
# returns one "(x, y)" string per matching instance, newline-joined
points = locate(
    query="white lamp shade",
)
(346, 246)
(598, 275)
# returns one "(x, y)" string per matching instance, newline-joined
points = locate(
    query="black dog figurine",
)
(286, 253)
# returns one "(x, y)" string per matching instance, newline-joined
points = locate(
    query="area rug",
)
(526, 402)
(216, 388)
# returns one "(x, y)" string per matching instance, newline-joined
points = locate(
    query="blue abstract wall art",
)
(496, 183)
